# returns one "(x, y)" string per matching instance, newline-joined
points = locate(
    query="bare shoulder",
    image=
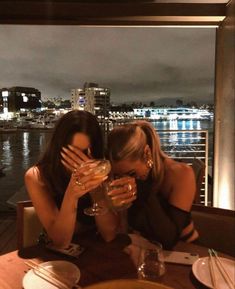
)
(179, 169)
(32, 172)
(32, 175)
(35, 185)
(183, 186)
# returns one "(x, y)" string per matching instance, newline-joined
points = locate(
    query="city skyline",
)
(137, 64)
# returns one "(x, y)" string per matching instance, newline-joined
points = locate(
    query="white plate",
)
(65, 269)
(201, 271)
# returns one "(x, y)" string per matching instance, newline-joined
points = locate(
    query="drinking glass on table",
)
(151, 264)
(123, 189)
(100, 168)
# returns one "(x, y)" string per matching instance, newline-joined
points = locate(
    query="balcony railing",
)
(186, 145)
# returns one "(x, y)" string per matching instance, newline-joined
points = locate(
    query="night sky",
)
(137, 64)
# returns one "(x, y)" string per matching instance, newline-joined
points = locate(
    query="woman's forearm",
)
(107, 224)
(62, 229)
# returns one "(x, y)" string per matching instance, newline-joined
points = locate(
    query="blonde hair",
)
(129, 141)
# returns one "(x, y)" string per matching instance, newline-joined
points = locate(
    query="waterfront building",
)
(17, 99)
(176, 113)
(121, 112)
(92, 98)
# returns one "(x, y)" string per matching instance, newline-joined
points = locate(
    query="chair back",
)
(216, 228)
(28, 225)
(199, 171)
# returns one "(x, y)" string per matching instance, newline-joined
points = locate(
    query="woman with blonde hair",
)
(165, 188)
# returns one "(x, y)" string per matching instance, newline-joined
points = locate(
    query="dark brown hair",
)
(52, 171)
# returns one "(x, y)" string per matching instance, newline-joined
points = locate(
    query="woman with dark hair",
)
(52, 183)
(165, 188)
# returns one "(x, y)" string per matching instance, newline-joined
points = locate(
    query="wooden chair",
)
(28, 225)
(199, 171)
(216, 228)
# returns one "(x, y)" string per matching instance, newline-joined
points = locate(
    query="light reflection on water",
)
(20, 150)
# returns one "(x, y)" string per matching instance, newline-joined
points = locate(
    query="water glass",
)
(116, 204)
(151, 264)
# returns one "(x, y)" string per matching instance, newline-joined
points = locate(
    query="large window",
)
(142, 67)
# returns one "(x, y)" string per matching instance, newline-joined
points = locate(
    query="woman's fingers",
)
(68, 159)
(123, 191)
(71, 158)
(68, 166)
(123, 180)
(77, 152)
(121, 200)
(83, 186)
(122, 186)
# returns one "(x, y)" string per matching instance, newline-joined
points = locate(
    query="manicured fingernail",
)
(63, 148)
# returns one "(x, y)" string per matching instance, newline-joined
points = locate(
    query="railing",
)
(186, 145)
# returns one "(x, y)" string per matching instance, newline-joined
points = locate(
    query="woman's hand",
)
(73, 157)
(122, 191)
(84, 180)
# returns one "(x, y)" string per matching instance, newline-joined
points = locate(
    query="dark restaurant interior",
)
(216, 222)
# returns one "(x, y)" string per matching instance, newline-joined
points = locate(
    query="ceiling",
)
(190, 1)
(116, 13)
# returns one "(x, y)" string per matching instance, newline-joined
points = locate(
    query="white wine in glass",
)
(100, 169)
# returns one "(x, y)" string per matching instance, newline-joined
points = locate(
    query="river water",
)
(19, 150)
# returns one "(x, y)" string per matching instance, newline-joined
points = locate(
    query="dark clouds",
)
(140, 64)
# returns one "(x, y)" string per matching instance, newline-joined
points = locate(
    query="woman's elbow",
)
(60, 244)
(58, 240)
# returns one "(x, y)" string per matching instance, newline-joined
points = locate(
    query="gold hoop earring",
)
(149, 163)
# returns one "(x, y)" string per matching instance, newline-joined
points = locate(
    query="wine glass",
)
(100, 168)
(115, 203)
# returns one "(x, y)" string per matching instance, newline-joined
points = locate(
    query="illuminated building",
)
(169, 113)
(92, 98)
(16, 99)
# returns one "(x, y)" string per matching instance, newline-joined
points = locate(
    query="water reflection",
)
(7, 153)
(25, 149)
(191, 124)
(18, 151)
(198, 125)
(173, 125)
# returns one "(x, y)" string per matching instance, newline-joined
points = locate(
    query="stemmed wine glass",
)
(100, 168)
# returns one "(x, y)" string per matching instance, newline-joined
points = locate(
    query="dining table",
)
(100, 261)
